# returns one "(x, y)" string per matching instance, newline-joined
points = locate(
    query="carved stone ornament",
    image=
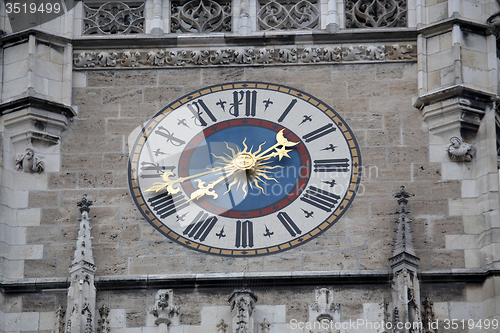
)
(460, 151)
(28, 162)
(288, 15)
(104, 321)
(324, 308)
(222, 326)
(428, 315)
(200, 16)
(375, 13)
(164, 310)
(239, 56)
(113, 18)
(242, 308)
(265, 326)
(59, 328)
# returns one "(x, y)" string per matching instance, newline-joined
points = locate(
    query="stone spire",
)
(82, 293)
(403, 255)
(404, 264)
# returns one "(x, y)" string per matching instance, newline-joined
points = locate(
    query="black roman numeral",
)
(290, 226)
(159, 169)
(198, 112)
(200, 227)
(244, 234)
(166, 204)
(332, 165)
(319, 133)
(288, 108)
(250, 103)
(319, 198)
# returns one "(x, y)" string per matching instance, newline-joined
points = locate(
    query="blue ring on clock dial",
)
(203, 152)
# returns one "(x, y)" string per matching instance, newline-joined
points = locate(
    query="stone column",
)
(157, 22)
(244, 27)
(332, 17)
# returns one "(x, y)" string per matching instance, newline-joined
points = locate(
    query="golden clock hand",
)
(208, 189)
(168, 183)
(281, 141)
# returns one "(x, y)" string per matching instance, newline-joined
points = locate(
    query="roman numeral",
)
(290, 226)
(288, 108)
(319, 133)
(319, 198)
(166, 204)
(332, 165)
(159, 169)
(200, 227)
(250, 103)
(198, 112)
(244, 234)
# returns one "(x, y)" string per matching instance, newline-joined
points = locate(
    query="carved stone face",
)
(29, 154)
(455, 142)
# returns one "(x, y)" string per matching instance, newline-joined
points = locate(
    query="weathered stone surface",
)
(43, 199)
(40, 268)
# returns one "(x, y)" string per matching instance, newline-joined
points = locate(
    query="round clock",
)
(244, 169)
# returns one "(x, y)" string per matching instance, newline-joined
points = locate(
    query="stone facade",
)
(77, 95)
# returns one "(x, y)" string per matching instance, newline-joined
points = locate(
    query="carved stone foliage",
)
(246, 56)
(460, 151)
(104, 321)
(375, 13)
(242, 309)
(28, 162)
(288, 14)
(200, 16)
(113, 18)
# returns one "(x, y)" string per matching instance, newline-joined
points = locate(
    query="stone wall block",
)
(63, 180)
(407, 154)
(42, 235)
(162, 95)
(87, 96)
(104, 144)
(122, 95)
(122, 126)
(128, 249)
(43, 199)
(447, 259)
(95, 179)
(40, 268)
(426, 171)
(288, 261)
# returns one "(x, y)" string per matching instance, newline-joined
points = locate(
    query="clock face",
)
(244, 169)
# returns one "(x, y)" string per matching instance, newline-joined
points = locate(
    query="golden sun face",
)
(244, 167)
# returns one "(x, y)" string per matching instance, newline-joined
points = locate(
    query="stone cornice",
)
(447, 25)
(23, 35)
(274, 38)
(454, 92)
(214, 280)
(32, 101)
(245, 56)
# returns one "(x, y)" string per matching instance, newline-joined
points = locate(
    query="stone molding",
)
(213, 280)
(457, 107)
(245, 56)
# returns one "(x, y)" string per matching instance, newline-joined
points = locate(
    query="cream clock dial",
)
(244, 169)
